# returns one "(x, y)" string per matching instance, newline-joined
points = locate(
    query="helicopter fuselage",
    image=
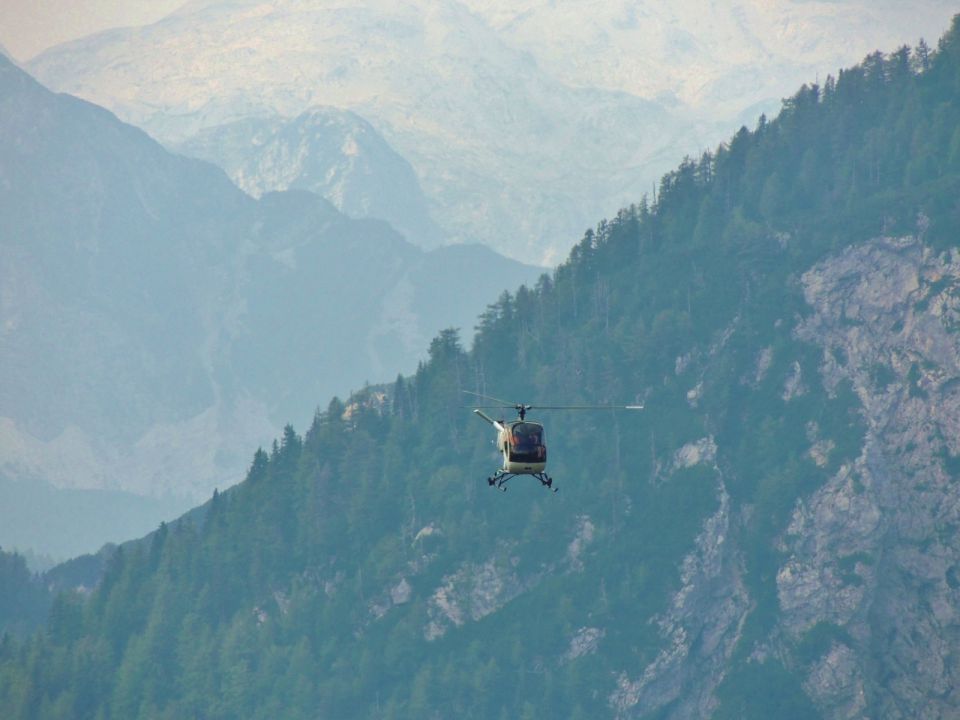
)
(521, 443)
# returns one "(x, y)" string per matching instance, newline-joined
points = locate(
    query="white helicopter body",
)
(521, 442)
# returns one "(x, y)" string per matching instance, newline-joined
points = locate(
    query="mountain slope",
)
(335, 154)
(61, 523)
(145, 305)
(24, 601)
(772, 537)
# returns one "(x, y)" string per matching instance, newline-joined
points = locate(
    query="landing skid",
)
(500, 479)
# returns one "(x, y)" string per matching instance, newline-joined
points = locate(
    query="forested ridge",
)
(365, 569)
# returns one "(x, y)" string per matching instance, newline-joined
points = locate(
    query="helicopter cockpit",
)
(526, 443)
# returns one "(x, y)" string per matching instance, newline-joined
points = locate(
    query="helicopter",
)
(521, 441)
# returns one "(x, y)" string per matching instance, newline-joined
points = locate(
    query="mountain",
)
(146, 306)
(110, 255)
(506, 154)
(716, 58)
(505, 110)
(334, 153)
(772, 537)
(24, 601)
(60, 523)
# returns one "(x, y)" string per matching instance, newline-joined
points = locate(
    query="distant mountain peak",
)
(504, 153)
(335, 153)
(515, 140)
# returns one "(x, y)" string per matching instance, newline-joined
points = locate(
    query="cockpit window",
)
(527, 434)
(526, 443)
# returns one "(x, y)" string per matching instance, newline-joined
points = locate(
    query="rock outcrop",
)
(875, 552)
(869, 585)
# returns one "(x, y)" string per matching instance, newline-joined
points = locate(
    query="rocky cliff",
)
(874, 552)
(868, 586)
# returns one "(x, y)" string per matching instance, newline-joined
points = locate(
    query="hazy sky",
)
(28, 27)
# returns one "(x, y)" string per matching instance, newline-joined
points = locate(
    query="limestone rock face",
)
(700, 629)
(868, 584)
(472, 592)
(874, 551)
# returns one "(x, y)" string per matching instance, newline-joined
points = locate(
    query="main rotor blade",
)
(585, 407)
(505, 403)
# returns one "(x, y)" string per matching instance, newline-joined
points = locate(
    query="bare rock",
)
(875, 550)
(700, 630)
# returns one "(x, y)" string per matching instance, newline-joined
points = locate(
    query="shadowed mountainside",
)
(152, 314)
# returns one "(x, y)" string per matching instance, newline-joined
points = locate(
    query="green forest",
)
(310, 589)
